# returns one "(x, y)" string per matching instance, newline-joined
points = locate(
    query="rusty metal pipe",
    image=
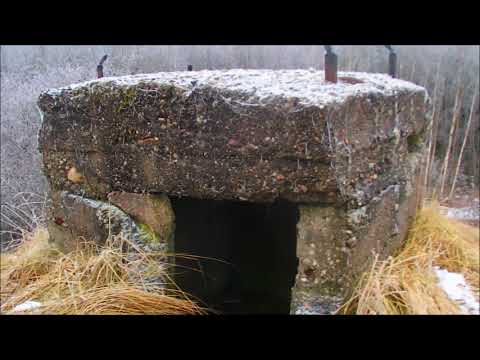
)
(100, 67)
(392, 65)
(331, 65)
(392, 61)
(99, 71)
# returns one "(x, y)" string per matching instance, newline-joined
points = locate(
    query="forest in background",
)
(449, 73)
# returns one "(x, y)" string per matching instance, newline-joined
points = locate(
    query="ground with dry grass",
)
(110, 280)
(408, 283)
(91, 280)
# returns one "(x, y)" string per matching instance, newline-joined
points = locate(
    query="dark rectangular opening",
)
(245, 254)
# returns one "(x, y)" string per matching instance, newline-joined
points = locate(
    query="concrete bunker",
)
(252, 167)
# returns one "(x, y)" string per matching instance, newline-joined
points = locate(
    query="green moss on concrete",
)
(127, 99)
(148, 235)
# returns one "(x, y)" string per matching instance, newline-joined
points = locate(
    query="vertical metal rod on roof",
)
(189, 67)
(331, 61)
(100, 67)
(392, 61)
(99, 71)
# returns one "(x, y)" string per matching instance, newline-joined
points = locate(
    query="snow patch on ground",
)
(27, 305)
(458, 290)
(466, 213)
(309, 86)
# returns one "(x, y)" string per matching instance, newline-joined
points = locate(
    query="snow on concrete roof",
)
(260, 86)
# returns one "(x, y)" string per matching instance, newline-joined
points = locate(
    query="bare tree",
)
(433, 130)
(453, 124)
(467, 133)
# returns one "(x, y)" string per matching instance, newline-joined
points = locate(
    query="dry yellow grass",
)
(120, 299)
(406, 283)
(91, 280)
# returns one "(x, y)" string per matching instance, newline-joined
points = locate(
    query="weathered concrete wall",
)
(335, 244)
(348, 154)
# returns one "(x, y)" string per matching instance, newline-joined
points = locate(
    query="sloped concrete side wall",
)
(73, 219)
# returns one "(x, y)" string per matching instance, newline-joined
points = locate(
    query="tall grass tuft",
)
(406, 283)
(91, 280)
